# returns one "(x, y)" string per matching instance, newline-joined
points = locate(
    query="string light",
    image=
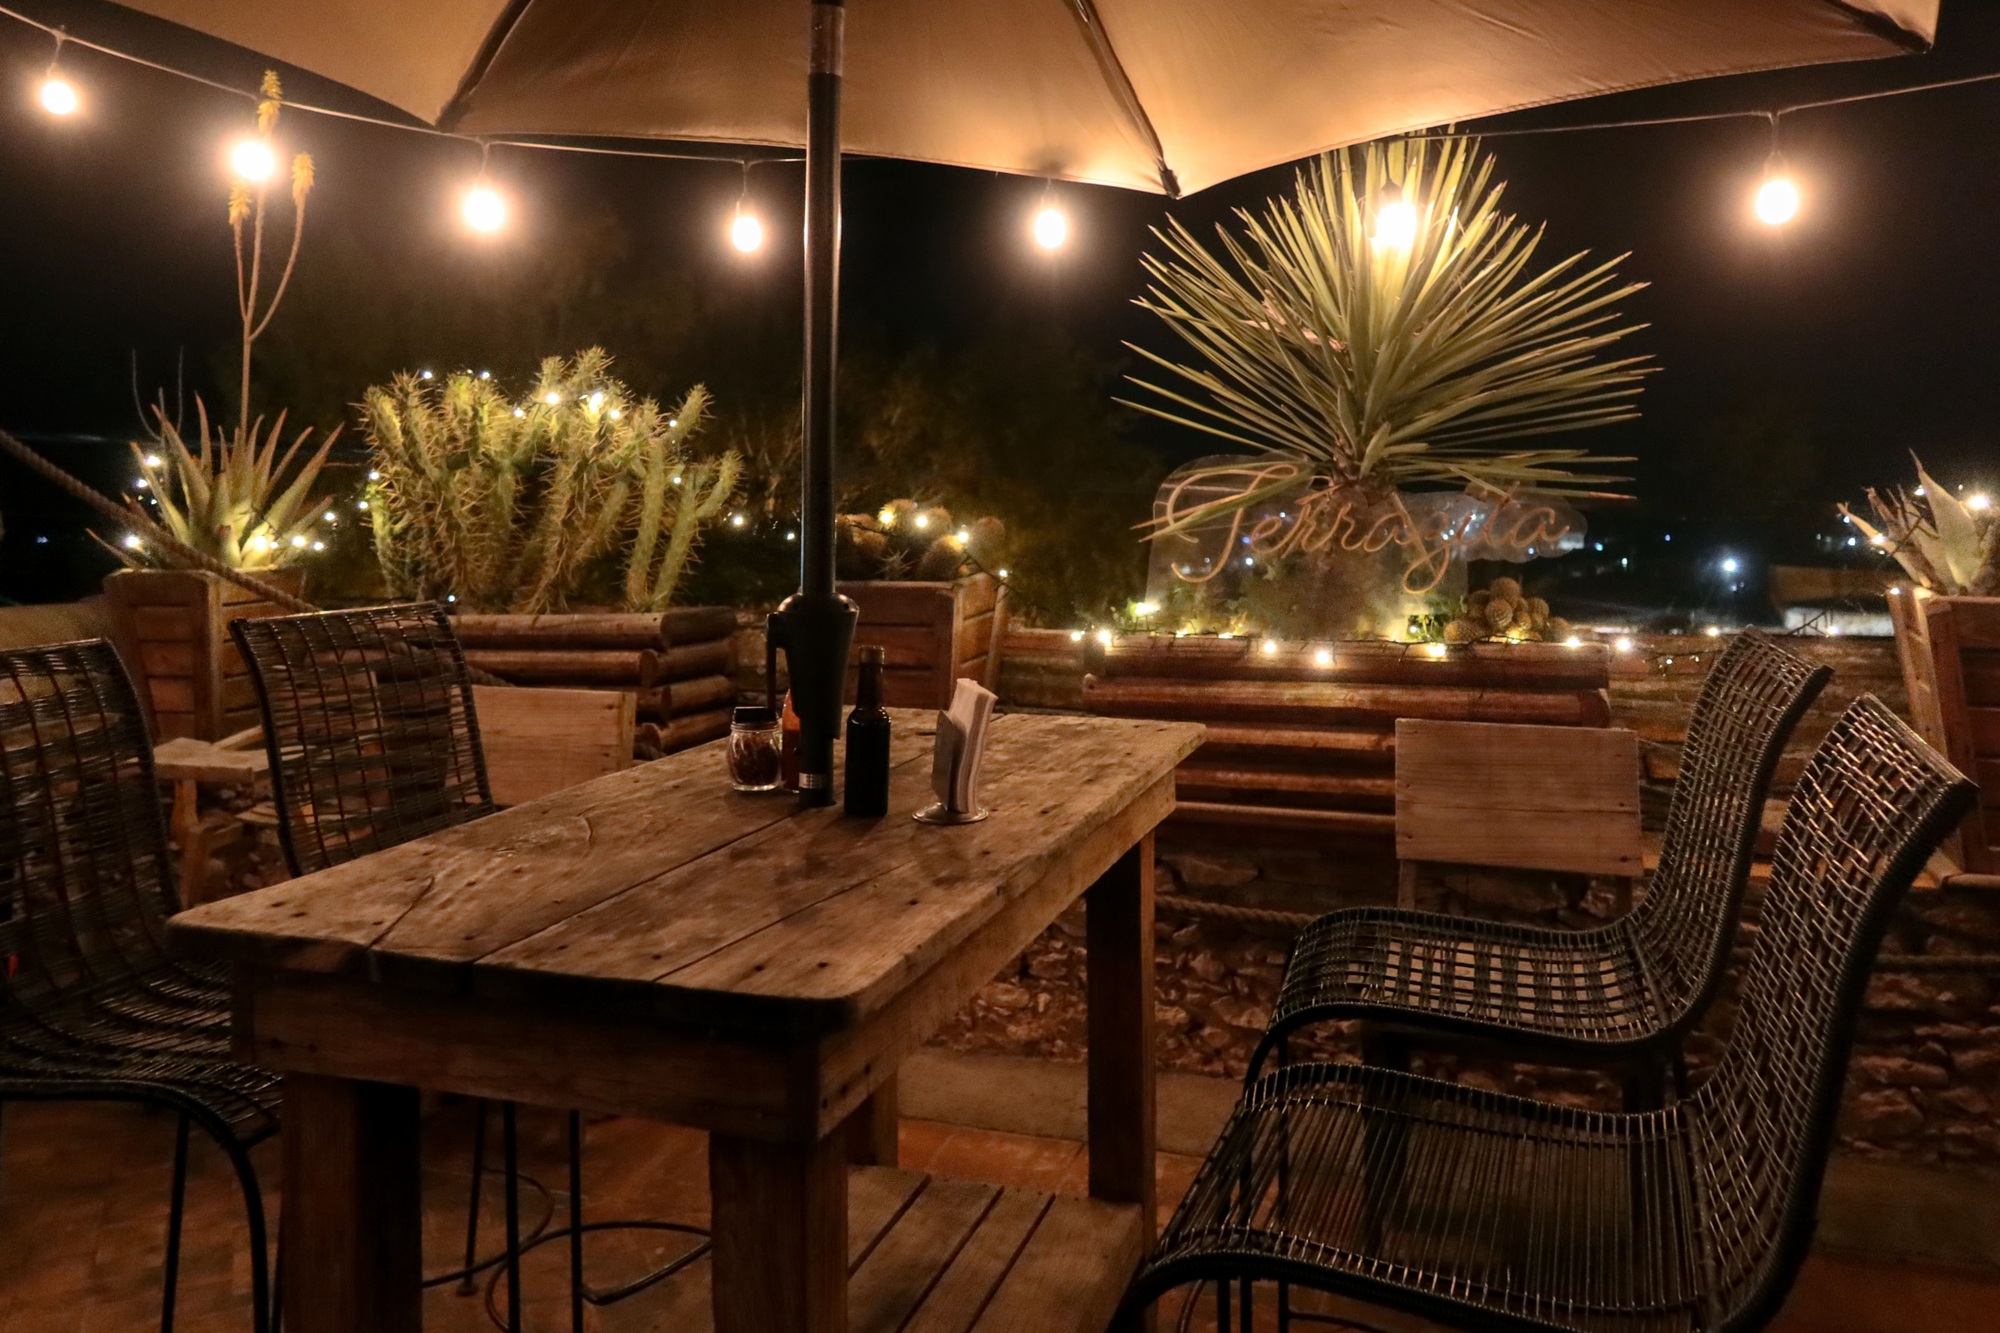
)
(1269, 647)
(1050, 226)
(483, 209)
(252, 160)
(1777, 199)
(57, 94)
(1076, 636)
(133, 542)
(1978, 501)
(1104, 637)
(1395, 220)
(1145, 609)
(1437, 650)
(746, 229)
(1322, 657)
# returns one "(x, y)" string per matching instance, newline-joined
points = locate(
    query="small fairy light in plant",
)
(791, 536)
(425, 375)
(552, 398)
(1322, 657)
(299, 542)
(675, 480)
(373, 475)
(1144, 609)
(920, 522)
(1076, 636)
(1878, 540)
(520, 412)
(319, 546)
(1269, 647)
(887, 516)
(962, 536)
(151, 460)
(1713, 631)
(673, 421)
(595, 401)
(736, 520)
(133, 542)
(451, 597)
(1182, 633)
(616, 414)
(1104, 637)
(1436, 649)
(1623, 645)
(139, 483)
(1227, 634)
(486, 374)
(258, 544)
(361, 504)
(1977, 501)
(252, 160)
(1395, 220)
(1572, 642)
(1003, 573)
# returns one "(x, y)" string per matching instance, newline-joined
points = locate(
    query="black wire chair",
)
(92, 1006)
(374, 741)
(1622, 995)
(1485, 1211)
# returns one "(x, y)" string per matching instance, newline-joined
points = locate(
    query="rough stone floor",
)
(83, 1198)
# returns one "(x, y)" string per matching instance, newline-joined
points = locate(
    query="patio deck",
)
(83, 1208)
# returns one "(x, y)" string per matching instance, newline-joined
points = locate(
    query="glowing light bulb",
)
(1104, 637)
(299, 542)
(139, 483)
(151, 460)
(58, 96)
(1777, 200)
(319, 546)
(552, 398)
(1076, 636)
(360, 504)
(1051, 227)
(616, 414)
(1269, 647)
(519, 412)
(1144, 609)
(1977, 502)
(1003, 573)
(595, 400)
(374, 475)
(920, 522)
(1436, 649)
(133, 542)
(736, 520)
(746, 232)
(1572, 642)
(252, 160)
(1623, 645)
(425, 375)
(887, 517)
(1395, 220)
(483, 209)
(962, 536)
(1322, 657)
(486, 374)
(1730, 565)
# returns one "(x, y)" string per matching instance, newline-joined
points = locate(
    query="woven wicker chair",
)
(1486, 1211)
(92, 1007)
(1621, 995)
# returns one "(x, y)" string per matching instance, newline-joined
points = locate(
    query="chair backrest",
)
(1874, 803)
(1748, 707)
(369, 721)
(84, 888)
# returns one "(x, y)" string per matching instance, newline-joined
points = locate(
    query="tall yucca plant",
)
(1386, 328)
(505, 505)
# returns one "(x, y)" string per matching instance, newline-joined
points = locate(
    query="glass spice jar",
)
(753, 750)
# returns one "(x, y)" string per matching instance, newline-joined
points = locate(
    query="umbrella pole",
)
(814, 627)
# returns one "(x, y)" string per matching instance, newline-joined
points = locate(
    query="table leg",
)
(186, 825)
(1118, 938)
(1118, 935)
(871, 1130)
(353, 1238)
(778, 1218)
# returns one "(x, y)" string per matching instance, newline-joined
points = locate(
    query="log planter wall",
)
(931, 634)
(1949, 651)
(675, 664)
(172, 628)
(1303, 740)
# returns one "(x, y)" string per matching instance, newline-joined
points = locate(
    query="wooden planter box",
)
(172, 629)
(931, 634)
(1949, 649)
(1304, 740)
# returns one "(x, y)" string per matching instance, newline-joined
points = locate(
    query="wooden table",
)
(652, 944)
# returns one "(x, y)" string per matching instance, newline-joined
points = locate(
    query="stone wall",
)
(1924, 1086)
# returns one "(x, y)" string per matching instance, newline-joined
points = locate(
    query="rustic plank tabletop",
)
(654, 943)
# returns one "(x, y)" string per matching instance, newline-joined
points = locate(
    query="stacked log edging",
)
(675, 663)
(1302, 739)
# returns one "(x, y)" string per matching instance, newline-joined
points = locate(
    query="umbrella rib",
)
(496, 37)
(1085, 13)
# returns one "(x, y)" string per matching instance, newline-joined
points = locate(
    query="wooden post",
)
(353, 1225)
(779, 1225)
(1118, 934)
(871, 1130)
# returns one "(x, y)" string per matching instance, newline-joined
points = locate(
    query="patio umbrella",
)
(1162, 95)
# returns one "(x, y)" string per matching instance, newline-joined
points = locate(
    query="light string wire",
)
(1772, 114)
(63, 37)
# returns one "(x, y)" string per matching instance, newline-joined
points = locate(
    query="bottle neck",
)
(868, 690)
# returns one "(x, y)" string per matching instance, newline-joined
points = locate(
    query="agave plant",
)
(1387, 328)
(506, 506)
(1947, 545)
(244, 497)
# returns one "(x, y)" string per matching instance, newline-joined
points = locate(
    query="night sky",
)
(1795, 366)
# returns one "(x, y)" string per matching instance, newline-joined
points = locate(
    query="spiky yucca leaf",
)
(1384, 365)
(1947, 545)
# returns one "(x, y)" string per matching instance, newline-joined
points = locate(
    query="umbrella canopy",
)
(1163, 95)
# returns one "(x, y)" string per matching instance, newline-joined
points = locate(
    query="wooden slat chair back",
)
(1479, 1210)
(370, 723)
(1560, 799)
